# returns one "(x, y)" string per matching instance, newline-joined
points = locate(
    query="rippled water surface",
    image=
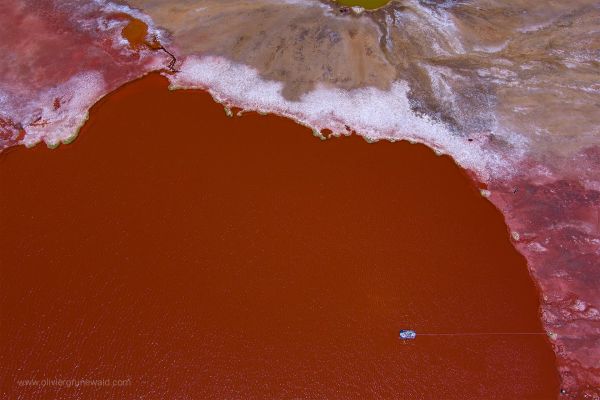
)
(252, 260)
(509, 89)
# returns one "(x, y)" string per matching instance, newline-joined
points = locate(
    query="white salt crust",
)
(372, 113)
(76, 96)
(110, 7)
(36, 111)
(43, 122)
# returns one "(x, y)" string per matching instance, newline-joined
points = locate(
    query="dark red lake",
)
(197, 256)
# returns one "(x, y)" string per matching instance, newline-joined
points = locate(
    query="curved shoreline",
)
(564, 193)
(361, 168)
(472, 174)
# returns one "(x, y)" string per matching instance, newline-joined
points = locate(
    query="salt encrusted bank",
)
(509, 90)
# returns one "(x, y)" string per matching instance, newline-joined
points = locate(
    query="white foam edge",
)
(373, 113)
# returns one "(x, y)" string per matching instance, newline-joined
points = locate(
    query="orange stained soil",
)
(172, 252)
(136, 32)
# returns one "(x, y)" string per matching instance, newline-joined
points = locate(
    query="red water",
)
(175, 253)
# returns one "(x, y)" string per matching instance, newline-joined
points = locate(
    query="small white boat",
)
(407, 334)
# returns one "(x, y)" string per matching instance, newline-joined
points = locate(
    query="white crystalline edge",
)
(374, 114)
(42, 122)
(431, 20)
(38, 116)
(111, 7)
(77, 95)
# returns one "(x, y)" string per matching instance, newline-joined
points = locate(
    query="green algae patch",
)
(368, 4)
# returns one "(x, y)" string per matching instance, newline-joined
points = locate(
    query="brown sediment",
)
(135, 32)
(339, 53)
(512, 68)
(195, 255)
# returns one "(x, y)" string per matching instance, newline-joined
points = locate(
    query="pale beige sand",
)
(523, 67)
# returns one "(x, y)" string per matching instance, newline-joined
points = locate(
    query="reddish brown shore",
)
(174, 252)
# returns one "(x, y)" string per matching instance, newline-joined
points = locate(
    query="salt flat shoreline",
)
(550, 202)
